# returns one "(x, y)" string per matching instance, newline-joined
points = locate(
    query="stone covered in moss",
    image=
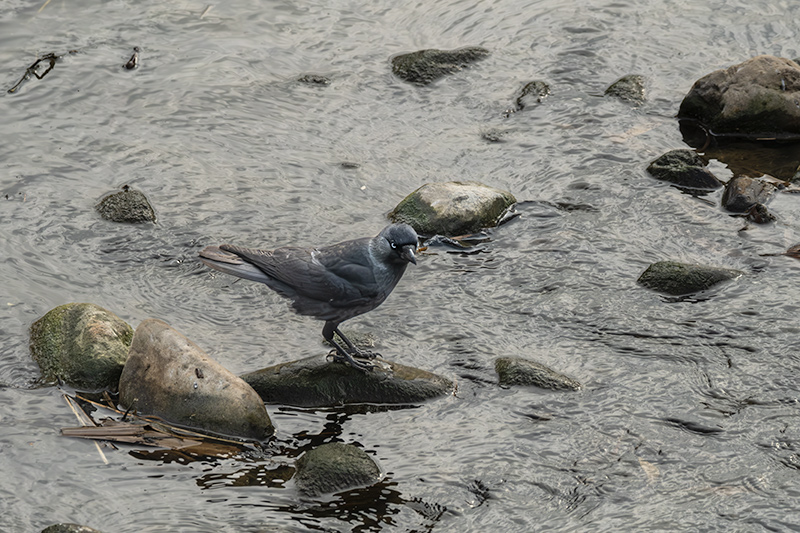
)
(453, 208)
(628, 88)
(315, 382)
(128, 205)
(424, 66)
(334, 467)
(685, 169)
(519, 371)
(679, 279)
(756, 99)
(82, 345)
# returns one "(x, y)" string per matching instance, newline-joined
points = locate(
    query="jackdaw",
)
(332, 283)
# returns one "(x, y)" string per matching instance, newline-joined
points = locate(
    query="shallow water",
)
(689, 416)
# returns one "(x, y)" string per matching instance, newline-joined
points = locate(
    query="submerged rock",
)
(69, 528)
(519, 371)
(334, 467)
(628, 88)
(169, 376)
(679, 279)
(742, 194)
(82, 345)
(756, 99)
(128, 205)
(314, 79)
(453, 208)
(532, 93)
(685, 169)
(424, 66)
(315, 382)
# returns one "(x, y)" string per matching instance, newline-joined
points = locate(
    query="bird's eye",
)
(393, 244)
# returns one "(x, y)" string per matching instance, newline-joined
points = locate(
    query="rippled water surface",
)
(688, 420)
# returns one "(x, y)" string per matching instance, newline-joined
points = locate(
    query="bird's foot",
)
(363, 354)
(348, 359)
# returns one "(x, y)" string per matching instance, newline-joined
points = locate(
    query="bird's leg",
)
(341, 355)
(363, 354)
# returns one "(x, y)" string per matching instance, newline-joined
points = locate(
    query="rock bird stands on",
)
(333, 283)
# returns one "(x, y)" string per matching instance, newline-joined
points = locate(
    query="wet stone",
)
(169, 376)
(519, 371)
(742, 194)
(425, 66)
(453, 208)
(81, 344)
(532, 93)
(684, 169)
(628, 88)
(334, 467)
(316, 382)
(679, 279)
(128, 205)
(69, 528)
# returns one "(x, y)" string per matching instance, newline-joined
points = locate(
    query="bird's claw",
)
(348, 359)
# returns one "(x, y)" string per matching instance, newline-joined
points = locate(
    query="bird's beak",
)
(408, 253)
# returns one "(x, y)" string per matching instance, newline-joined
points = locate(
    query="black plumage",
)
(332, 283)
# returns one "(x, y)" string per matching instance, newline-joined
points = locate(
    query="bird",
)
(332, 283)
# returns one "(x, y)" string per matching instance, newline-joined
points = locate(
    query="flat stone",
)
(685, 169)
(82, 345)
(334, 467)
(519, 371)
(425, 66)
(453, 208)
(679, 279)
(169, 376)
(315, 382)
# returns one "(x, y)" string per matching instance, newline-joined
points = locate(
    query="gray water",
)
(688, 420)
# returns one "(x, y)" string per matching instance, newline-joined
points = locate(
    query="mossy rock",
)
(82, 345)
(453, 208)
(334, 467)
(680, 279)
(628, 88)
(519, 371)
(685, 169)
(68, 528)
(127, 205)
(424, 66)
(316, 382)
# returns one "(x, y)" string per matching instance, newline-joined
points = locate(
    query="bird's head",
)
(398, 242)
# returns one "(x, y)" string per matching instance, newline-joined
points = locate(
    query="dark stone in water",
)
(128, 205)
(334, 467)
(424, 66)
(315, 382)
(69, 528)
(314, 79)
(679, 279)
(756, 99)
(628, 88)
(743, 193)
(684, 169)
(519, 371)
(532, 93)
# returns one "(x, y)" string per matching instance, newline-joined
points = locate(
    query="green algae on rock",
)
(453, 208)
(82, 345)
(424, 66)
(680, 279)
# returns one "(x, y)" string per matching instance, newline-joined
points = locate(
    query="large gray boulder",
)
(680, 279)
(82, 345)
(169, 376)
(424, 66)
(756, 99)
(315, 382)
(519, 371)
(453, 208)
(334, 467)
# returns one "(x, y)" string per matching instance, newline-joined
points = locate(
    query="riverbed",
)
(688, 415)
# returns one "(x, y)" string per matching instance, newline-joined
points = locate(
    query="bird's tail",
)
(228, 263)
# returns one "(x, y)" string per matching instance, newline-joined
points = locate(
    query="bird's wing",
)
(228, 263)
(314, 274)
